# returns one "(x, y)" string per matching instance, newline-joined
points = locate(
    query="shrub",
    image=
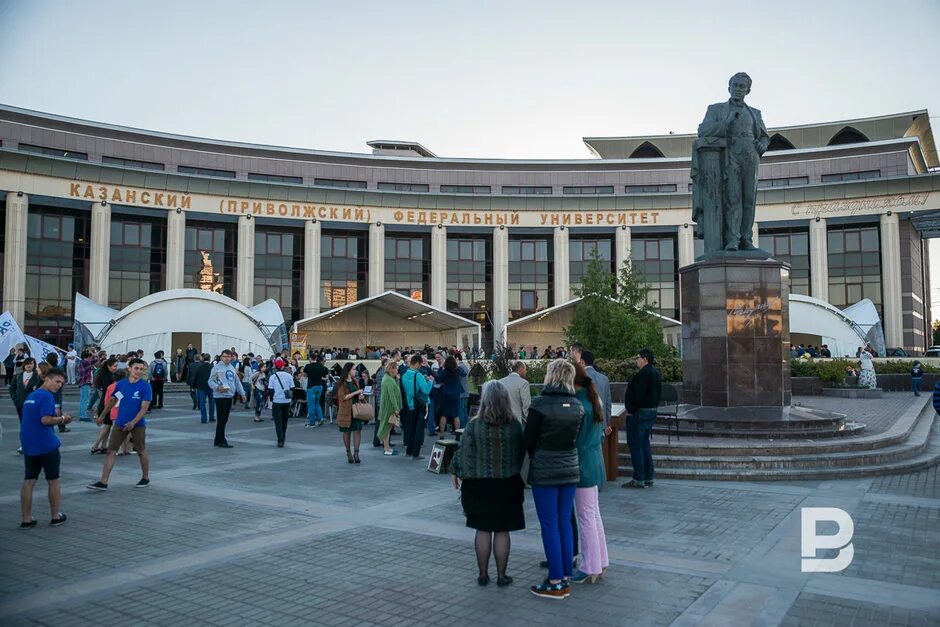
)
(803, 368)
(901, 367)
(834, 371)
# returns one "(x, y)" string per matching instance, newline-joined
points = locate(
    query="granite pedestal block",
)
(736, 332)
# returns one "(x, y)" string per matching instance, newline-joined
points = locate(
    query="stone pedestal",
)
(736, 334)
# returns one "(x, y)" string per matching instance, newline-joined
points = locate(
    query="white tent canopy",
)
(814, 321)
(211, 321)
(547, 327)
(388, 319)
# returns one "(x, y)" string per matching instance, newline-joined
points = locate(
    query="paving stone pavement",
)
(261, 535)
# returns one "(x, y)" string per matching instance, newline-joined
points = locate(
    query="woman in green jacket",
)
(591, 461)
(389, 405)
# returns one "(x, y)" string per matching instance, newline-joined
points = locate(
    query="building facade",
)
(118, 213)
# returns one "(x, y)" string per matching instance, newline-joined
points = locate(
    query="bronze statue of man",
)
(731, 140)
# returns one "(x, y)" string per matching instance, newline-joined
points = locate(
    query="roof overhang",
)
(402, 307)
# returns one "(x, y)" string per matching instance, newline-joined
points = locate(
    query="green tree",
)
(613, 317)
(936, 332)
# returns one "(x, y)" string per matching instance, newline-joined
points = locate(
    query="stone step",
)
(922, 451)
(699, 446)
(849, 429)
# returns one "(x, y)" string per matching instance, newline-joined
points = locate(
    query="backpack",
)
(159, 371)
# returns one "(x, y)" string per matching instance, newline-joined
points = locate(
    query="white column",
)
(755, 234)
(622, 246)
(891, 280)
(312, 232)
(686, 244)
(99, 264)
(818, 259)
(245, 263)
(14, 256)
(376, 259)
(439, 266)
(175, 249)
(500, 282)
(562, 261)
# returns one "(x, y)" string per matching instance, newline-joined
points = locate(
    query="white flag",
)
(10, 333)
(39, 350)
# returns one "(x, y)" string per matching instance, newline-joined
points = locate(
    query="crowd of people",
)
(551, 442)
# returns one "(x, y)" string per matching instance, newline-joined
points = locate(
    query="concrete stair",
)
(912, 443)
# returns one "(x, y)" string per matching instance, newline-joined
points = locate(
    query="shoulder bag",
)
(362, 410)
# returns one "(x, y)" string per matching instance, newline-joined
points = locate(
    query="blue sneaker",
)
(549, 590)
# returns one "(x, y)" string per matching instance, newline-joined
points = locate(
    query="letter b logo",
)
(841, 540)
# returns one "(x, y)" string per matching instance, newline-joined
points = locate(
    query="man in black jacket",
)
(201, 372)
(641, 400)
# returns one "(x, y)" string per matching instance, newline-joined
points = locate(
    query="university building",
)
(117, 213)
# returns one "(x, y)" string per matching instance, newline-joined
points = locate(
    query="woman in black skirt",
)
(486, 471)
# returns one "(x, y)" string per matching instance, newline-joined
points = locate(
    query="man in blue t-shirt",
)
(41, 446)
(132, 397)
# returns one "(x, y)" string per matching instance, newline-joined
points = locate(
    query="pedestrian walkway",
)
(258, 534)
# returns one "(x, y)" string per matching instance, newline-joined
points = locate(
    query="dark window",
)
(847, 135)
(408, 266)
(470, 280)
(138, 259)
(527, 189)
(275, 178)
(854, 266)
(53, 152)
(404, 187)
(465, 189)
(851, 176)
(779, 142)
(664, 188)
(654, 257)
(792, 246)
(223, 174)
(211, 244)
(344, 266)
(132, 163)
(588, 189)
(646, 150)
(580, 252)
(530, 275)
(783, 182)
(279, 270)
(340, 183)
(57, 255)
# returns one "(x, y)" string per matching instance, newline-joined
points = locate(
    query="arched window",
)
(779, 142)
(847, 135)
(647, 150)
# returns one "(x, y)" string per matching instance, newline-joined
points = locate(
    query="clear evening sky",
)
(519, 79)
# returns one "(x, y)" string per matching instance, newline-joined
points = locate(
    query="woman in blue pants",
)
(551, 435)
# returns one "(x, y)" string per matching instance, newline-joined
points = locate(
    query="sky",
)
(480, 78)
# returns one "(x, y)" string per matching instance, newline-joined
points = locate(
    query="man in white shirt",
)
(71, 365)
(520, 397)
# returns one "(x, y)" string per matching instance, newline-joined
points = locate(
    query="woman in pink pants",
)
(590, 459)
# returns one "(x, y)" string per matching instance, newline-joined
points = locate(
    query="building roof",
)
(815, 135)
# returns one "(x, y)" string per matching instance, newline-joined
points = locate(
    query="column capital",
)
(14, 279)
(245, 263)
(376, 258)
(99, 263)
(312, 233)
(562, 266)
(439, 266)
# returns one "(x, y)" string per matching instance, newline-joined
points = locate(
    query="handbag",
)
(363, 411)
